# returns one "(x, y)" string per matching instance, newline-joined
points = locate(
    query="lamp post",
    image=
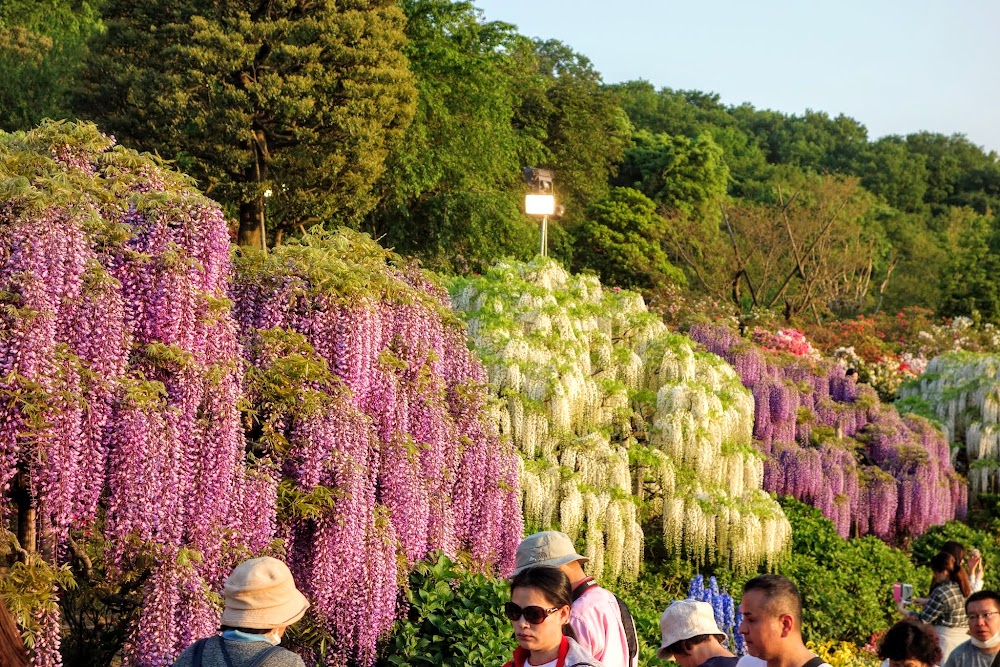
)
(540, 201)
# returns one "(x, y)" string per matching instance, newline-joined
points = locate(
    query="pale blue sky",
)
(896, 66)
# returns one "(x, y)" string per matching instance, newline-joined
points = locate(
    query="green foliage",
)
(620, 240)
(452, 190)
(42, 45)
(687, 177)
(454, 617)
(929, 544)
(846, 585)
(30, 586)
(970, 277)
(661, 583)
(304, 101)
(580, 121)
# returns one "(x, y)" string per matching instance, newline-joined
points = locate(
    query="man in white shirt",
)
(596, 616)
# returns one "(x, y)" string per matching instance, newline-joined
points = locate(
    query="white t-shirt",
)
(550, 663)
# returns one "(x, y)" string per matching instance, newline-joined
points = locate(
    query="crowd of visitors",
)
(562, 618)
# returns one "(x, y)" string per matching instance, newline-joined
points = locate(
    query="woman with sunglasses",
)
(539, 608)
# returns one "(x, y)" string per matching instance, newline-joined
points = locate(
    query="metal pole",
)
(545, 236)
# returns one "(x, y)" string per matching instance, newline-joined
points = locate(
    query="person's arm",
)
(935, 607)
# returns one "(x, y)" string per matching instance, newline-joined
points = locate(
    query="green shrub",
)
(846, 585)
(454, 617)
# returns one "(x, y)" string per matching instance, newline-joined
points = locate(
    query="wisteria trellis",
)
(962, 389)
(614, 415)
(832, 444)
(121, 380)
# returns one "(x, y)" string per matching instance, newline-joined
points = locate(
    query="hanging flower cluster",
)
(830, 443)
(962, 390)
(119, 378)
(363, 389)
(612, 414)
(727, 615)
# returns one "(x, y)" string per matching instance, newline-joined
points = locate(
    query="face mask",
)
(992, 642)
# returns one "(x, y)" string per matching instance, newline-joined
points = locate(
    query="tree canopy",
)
(289, 104)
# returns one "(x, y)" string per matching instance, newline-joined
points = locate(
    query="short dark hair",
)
(910, 638)
(684, 646)
(781, 595)
(979, 596)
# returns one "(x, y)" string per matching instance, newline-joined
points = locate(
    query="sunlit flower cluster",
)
(791, 341)
(611, 413)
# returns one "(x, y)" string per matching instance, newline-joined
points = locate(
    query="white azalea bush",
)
(620, 423)
(961, 390)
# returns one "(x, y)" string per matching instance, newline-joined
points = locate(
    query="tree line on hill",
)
(412, 119)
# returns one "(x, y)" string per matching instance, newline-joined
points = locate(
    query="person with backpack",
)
(539, 611)
(600, 620)
(261, 602)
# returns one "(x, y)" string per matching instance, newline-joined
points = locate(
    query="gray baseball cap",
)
(550, 547)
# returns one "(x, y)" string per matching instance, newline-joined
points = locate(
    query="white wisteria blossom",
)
(620, 423)
(962, 391)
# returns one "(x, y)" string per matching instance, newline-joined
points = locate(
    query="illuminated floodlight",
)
(539, 204)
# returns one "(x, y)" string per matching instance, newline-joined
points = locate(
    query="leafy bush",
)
(846, 585)
(453, 617)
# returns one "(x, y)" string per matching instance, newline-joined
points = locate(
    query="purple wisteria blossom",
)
(832, 444)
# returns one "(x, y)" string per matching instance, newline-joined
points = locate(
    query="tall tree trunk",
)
(249, 235)
(27, 523)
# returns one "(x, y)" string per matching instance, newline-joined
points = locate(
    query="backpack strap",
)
(264, 655)
(815, 662)
(630, 636)
(199, 648)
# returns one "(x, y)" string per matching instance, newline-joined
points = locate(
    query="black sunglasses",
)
(532, 614)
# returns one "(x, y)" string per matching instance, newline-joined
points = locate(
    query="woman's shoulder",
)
(577, 655)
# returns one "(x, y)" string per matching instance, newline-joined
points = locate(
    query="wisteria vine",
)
(830, 443)
(319, 404)
(961, 390)
(610, 413)
(386, 405)
(120, 377)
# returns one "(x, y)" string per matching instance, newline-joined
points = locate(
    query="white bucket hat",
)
(549, 547)
(260, 594)
(685, 619)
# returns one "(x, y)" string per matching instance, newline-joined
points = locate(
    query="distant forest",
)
(412, 120)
